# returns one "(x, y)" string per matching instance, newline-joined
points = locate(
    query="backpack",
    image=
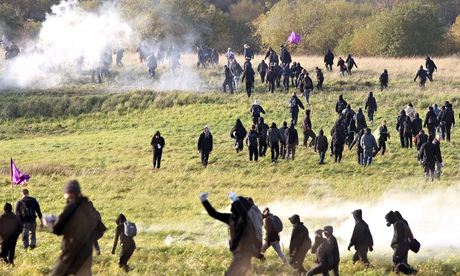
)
(256, 111)
(130, 229)
(292, 103)
(255, 224)
(27, 211)
(277, 224)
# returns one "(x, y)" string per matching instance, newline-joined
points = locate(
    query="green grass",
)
(103, 139)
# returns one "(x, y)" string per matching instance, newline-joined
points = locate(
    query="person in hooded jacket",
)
(321, 145)
(422, 75)
(77, 224)
(308, 129)
(252, 143)
(271, 78)
(262, 68)
(243, 242)
(417, 125)
(157, 143)
(319, 79)
(340, 105)
(292, 141)
(420, 139)
(274, 138)
(410, 111)
(238, 133)
(286, 76)
(10, 229)
(307, 85)
(248, 75)
(205, 145)
(359, 147)
(400, 127)
(262, 129)
(361, 238)
(28, 209)
(283, 149)
(369, 146)
(384, 135)
(228, 81)
(127, 243)
(272, 56)
(342, 66)
(383, 80)
(360, 120)
(272, 238)
(371, 106)
(350, 63)
(329, 60)
(429, 154)
(299, 245)
(333, 248)
(430, 67)
(294, 104)
(350, 124)
(338, 140)
(407, 125)
(256, 110)
(324, 258)
(285, 56)
(431, 122)
(448, 119)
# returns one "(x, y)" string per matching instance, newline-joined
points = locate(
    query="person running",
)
(256, 110)
(294, 104)
(319, 79)
(430, 67)
(238, 133)
(157, 143)
(371, 106)
(299, 245)
(361, 238)
(272, 226)
(205, 145)
(350, 63)
(126, 242)
(329, 60)
(10, 229)
(28, 209)
(422, 75)
(384, 135)
(342, 67)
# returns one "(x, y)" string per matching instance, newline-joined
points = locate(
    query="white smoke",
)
(433, 216)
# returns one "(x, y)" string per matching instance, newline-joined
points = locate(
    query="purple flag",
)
(294, 38)
(16, 176)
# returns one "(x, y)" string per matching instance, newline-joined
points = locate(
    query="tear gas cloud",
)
(72, 42)
(433, 216)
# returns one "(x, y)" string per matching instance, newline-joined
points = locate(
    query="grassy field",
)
(100, 135)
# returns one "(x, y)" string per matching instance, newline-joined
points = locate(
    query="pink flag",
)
(16, 176)
(294, 38)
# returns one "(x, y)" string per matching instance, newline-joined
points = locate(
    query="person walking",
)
(127, 243)
(157, 143)
(10, 229)
(28, 209)
(205, 145)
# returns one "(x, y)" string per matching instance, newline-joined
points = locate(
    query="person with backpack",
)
(431, 122)
(272, 56)
(271, 79)
(361, 238)
(319, 79)
(324, 258)
(420, 139)
(422, 75)
(228, 81)
(238, 133)
(262, 129)
(205, 145)
(292, 141)
(262, 68)
(383, 80)
(251, 142)
(28, 209)
(10, 229)
(125, 232)
(245, 224)
(294, 104)
(248, 76)
(321, 145)
(273, 226)
(341, 105)
(157, 143)
(256, 110)
(329, 60)
(350, 63)
(371, 107)
(283, 149)
(299, 244)
(274, 138)
(307, 85)
(76, 223)
(308, 129)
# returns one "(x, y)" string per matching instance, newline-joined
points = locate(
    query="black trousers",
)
(204, 158)
(382, 146)
(319, 85)
(297, 261)
(8, 250)
(275, 150)
(286, 83)
(125, 254)
(361, 254)
(401, 138)
(249, 88)
(253, 153)
(262, 147)
(318, 269)
(262, 76)
(283, 150)
(271, 86)
(157, 158)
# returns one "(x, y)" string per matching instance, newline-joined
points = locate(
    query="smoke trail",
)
(432, 215)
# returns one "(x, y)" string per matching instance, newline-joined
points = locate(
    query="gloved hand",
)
(371, 248)
(204, 196)
(233, 196)
(349, 247)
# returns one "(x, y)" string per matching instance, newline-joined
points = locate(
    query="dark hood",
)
(120, 219)
(390, 218)
(358, 215)
(295, 219)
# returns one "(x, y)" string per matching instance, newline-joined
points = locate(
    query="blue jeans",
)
(322, 155)
(367, 157)
(29, 228)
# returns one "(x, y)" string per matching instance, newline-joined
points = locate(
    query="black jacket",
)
(321, 143)
(300, 240)
(298, 103)
(238, 131)
(371, 104)
(334, 249)
(205, 143)
(361, 236)
(252, 139)
(292, 137)
(270, 234)
(10, 227)
(262, 68)
(157, 141)
(30, 203)
(430, 153)
(285, 56)
(416, 125)
(430, 119)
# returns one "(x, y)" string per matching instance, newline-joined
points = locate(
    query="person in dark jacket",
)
(324, 258)
(342, 66)
(447, 120)
(262, 129)
(417, 125)
(333, 248)
(252, 143)
(10, 229)
(308, 130)
(119, 56)
(422, 75)
(262, 69)
(157, 143)
(360, 120)
(283, 149)
(256, 110)
(279, 74)
(384, 135)
(361, 238)
(359, 147)
(77, 224)
(420, 139)
(243, 243)
(274, 138)
(238, 133)
(340, 105)
(430, 67)
(272, 238)
(329, 60)
(371, 107)
(383, 80)
(228, 81)
(294, 104)
(127, 243)
(400, 127)
(248, 52)
(272, 56)
(286, 76)
(271, 78)
(248, 75)
(350, 63)
(429, 154)
(321, 145)
(407, 125)
(285, 56)
(28, 209)
(292, 141)
(307, 86)
(205, 145)
(399, 244)
(319, 79)
(338, 140)
(369, 146)
(431, 122)
(299, 245)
